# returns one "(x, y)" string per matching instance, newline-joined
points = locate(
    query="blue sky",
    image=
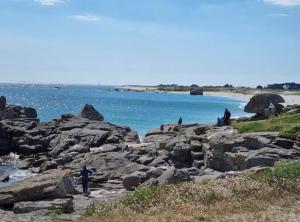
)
(207, 42)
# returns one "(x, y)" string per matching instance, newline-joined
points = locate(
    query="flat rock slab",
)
(66, 205)
(48, 185)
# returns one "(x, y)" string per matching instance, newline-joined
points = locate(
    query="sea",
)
(141, 111)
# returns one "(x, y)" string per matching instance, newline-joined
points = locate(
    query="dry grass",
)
(244, 198)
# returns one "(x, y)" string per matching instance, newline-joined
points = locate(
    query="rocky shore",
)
(56, 150)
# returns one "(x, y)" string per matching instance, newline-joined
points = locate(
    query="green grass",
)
(288, 126)
(285, 175)
(142, 198)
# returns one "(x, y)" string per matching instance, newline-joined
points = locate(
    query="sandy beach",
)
(289, 98)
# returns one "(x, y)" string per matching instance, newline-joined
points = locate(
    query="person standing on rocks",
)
(85, 173)
(227, 116)
(180, 121)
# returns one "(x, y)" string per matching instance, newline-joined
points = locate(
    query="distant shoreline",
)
(291, 98)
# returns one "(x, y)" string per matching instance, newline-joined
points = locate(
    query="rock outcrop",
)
(16, 112)
(227, 150)
(260, 102)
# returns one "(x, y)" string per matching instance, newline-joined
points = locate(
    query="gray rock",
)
(173, 175)
(29, 112)
(66, 205)
(79, 149)
(132, 137)
(49, 165)
(91, 113)
(228, 150)
(196, 145)
(26, 163)
(149, 183)
(112, 164)
(181, 155)
(106, 148)
(134, 180)
(197, 155)
(285, 143)
(260, 102)
(145, 160)
(155, 172)
(48, 185)
(198, 163)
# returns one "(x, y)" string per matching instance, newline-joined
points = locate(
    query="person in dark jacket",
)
(219, 122)
(180, 121)
(85, 173)
(227, 116)
(161, 127)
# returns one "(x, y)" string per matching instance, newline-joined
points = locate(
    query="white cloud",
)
(278, 15)
(86, 18)
(50, 2)
(283, 2)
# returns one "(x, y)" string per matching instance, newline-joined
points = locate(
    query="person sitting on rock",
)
(85, 173)
(227, 116)
(161, 127)
(219, 122)
(180, 121)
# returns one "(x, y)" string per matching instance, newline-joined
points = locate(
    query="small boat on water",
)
(58, 87)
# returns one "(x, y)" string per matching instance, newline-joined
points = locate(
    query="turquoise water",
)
(140, 111)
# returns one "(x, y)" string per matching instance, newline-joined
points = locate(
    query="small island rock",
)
(89, 112)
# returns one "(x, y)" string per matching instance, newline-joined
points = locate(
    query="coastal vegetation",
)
(287, 125)
(268, 195)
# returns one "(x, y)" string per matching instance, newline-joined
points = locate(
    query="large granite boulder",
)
(260, 102)
(52, 184)
(91, 113)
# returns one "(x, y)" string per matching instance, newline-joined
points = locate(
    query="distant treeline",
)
(289, 86)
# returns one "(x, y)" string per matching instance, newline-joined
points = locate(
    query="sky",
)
(148, 42)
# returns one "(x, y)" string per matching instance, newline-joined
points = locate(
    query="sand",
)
(290, 99)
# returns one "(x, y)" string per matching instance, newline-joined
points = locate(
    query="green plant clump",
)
(142, 198)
